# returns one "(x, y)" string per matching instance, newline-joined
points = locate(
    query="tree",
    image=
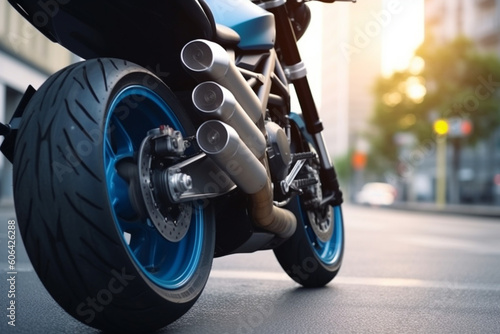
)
(446, 81)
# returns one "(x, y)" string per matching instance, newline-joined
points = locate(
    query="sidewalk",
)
(462, 209)
(7, 208)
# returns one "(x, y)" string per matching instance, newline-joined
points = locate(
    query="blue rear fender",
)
(254, 24)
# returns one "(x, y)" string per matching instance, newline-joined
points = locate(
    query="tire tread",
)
(65, 223)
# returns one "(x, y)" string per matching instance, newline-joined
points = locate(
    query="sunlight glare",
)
(402, 37)
(415, 89)
(417, 65)
(392, 99)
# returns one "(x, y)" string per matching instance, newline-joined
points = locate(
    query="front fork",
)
(296, 73)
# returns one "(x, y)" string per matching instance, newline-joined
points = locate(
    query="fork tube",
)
(296, 73)
(294, 68)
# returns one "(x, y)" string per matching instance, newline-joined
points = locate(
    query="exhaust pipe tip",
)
(209, 97)
(205, 58)
(222, 143)
(215, 138)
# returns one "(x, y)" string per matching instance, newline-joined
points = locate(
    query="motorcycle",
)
(171, 144)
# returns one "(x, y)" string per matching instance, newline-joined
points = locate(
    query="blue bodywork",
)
(254, 24)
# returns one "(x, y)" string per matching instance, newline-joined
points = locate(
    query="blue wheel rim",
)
(328, 252)
(134, 111)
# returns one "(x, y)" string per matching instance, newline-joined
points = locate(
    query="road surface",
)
(403, 272)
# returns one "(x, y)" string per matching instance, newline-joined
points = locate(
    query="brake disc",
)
(174, 225)
(321, 218)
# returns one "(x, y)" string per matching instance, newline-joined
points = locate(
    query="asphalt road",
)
(403, 272)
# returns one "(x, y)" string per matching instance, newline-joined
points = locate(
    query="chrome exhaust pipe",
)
(207, 60)
(222, 143)
(219, 103)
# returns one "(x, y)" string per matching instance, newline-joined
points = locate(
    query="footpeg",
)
(303, 156)
(299, 159)
(303, 183)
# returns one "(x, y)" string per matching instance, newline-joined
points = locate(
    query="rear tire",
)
(102, 262)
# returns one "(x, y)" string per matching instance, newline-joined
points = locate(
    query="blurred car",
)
(376, 194)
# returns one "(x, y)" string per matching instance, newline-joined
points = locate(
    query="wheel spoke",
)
(139, 239)
(108, 151)
(152, 250)
(120, 139)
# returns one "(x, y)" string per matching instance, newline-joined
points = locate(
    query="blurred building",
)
(479, 20)
(479, 174)
(352, 51)
(26, 58)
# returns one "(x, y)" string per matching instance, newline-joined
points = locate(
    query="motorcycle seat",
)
(226, 36)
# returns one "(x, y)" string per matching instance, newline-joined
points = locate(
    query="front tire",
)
(308, 260)
(100, 259)
(313, 255)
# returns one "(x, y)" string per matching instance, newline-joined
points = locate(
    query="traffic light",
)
(441, 127)
(359, 160)
(466, 127)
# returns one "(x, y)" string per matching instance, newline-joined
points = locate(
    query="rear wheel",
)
(79, 207)
(313, 255)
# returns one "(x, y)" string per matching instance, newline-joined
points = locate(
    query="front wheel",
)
(92, 245)
(313, 255)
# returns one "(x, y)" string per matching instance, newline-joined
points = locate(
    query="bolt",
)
(181, 182)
